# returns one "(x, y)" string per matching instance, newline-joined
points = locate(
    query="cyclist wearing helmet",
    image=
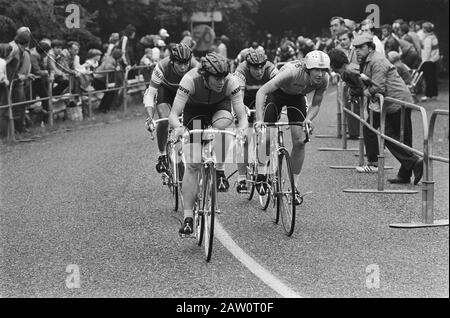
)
(253, 73)
(164, 84)
(285, 53)
(208, 93)
(289, 88)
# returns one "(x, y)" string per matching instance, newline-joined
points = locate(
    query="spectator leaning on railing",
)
(55, 62)
(382, 77)
(39, 67)
(110, 63)
(5, 51)
(403, 70)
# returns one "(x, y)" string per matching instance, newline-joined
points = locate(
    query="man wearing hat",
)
(40, 68)
(381, 77)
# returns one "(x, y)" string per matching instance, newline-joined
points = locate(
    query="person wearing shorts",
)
(163, 85)
(289, 88)
(206, 96)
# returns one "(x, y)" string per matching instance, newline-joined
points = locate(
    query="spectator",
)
(88, 68)
(222, 46)
(406, 34)
(345, 38)
(270, 47)
(380, 77)
(419, 30)
(337, 25)
(55, 62)
(114, 62)
(19, 70)
(163, 34)
(126, 45)
(189, 41)
(390, 43)
(430, 58)
(403, 70)
(409, 55)
(5, 51)
(112, 42)
(39, 67)
(367, 27)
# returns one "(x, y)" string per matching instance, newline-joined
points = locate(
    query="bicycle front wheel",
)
(209, 205)
(251, 178)
(285, 193)
(172, 173)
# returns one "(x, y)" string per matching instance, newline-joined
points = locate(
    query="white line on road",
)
(267, 277)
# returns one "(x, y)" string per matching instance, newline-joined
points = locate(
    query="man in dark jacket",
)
(383, 78)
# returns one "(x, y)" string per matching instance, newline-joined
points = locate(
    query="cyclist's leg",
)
(271, 114)
(222, 119)
(297, 113)
(193, 156)
(162, 129)
(163, 105)
(249, 101)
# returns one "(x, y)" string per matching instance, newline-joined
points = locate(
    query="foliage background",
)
(243, 19)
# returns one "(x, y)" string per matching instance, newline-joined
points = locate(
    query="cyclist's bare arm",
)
(237, 102)
(313, 111)
(185, 89)
(271, 86)
(149, 95)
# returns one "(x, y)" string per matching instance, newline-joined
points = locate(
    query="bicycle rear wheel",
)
(209, 205)
(285, 193)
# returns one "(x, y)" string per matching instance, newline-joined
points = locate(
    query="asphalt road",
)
(91, 201)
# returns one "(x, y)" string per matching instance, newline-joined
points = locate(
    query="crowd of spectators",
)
(27, 61)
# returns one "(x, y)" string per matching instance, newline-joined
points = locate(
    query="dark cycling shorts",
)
(296, 106)
(193, 113)
(165, 96)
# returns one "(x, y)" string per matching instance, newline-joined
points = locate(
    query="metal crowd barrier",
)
(427, 215)
(341, 119)
(51, 99)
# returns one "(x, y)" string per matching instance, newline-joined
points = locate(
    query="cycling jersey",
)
(294, 79)
(249, 84)
(201, 102)
(165, 81)
(193, 90)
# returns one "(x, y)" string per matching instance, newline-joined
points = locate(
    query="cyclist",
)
(285, 53)
(164, 84)
(289, 88)
(253, 73)
(208, 93)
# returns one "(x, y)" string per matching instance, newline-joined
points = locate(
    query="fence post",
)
(11, 128)
(125, 90)
(50, 102)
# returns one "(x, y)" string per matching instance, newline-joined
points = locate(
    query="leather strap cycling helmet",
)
(181, 53)
(256, 58)
(213, 64)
